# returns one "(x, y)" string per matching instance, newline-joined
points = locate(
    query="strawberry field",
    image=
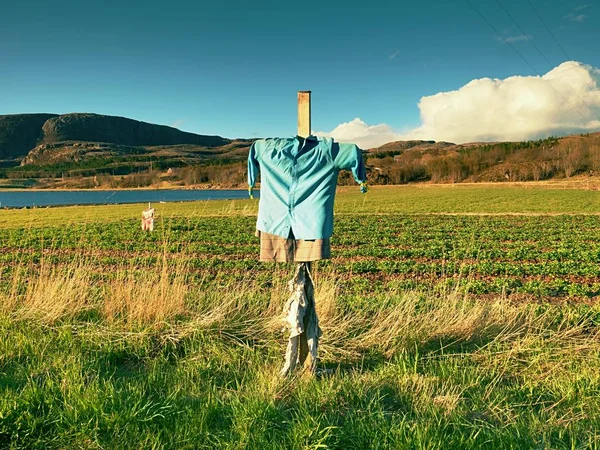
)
(452, 317)
(518, 256)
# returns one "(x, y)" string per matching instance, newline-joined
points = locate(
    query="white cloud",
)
(508, 35)
(393, 55)
(563, 101)
(575, 17)
(178, 123)
(361, 134)
(518, 38)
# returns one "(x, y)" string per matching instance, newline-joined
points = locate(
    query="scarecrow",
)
(295, 217)
(148, 219)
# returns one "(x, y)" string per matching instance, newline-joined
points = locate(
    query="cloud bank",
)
(565, 100)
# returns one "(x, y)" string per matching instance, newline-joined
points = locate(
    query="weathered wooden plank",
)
(304, 113)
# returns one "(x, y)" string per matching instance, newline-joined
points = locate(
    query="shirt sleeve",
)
(253, 166)
(349, 157)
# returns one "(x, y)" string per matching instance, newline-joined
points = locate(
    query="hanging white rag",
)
(300, 317)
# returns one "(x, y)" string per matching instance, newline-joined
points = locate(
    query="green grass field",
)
(453, 317)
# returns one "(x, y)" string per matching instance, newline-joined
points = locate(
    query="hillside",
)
(71, 155)
(119, 130)
(91, 150)
(398, 147)
(443, 162)
(19, 133)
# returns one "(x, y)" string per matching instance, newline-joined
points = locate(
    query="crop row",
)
(545, 256)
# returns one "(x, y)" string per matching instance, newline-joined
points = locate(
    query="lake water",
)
(20, 199)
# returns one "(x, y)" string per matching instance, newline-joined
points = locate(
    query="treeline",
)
(506, 161)
(447, 163)
(222, 173)
(119, 165)
(97, 166)
(233, 174)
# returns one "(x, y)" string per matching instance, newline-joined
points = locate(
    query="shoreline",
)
(584, 182)
(169, 188)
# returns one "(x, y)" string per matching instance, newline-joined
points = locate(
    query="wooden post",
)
(304, 131)
(304, 113)
(300, 313)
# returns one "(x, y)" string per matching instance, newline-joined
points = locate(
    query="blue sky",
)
(233, 68)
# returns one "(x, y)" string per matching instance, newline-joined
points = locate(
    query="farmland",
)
(452, 317)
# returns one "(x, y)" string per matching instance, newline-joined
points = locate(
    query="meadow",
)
(453, 317)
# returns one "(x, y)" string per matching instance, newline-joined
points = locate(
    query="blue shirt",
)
(298, 182)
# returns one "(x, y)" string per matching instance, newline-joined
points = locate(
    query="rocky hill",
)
(91, 150)
(443, 162)
(19, 133)
(120, 130)
(399, 147)
(71, 154)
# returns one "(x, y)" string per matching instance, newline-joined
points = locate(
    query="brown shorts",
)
(277, 249)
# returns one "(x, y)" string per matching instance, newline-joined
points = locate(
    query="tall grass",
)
(142, 357)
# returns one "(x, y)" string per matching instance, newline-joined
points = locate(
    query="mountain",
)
(19, 133)
(92, 150)
(120, 130)
(97, 155)
(444, 162)
(400, 146)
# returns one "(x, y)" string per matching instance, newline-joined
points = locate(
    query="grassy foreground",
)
(151, 352)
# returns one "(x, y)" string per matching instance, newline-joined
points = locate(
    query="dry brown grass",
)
(53, 293)
(149, 297)
(133, 297)
(161, 298)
